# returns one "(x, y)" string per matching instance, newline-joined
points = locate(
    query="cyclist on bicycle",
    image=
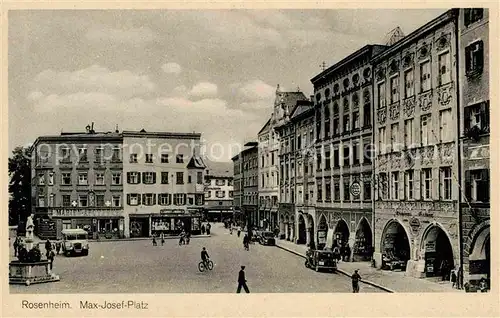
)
(204, 257)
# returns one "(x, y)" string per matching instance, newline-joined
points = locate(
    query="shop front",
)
(322, 232)
(139, 225)
(173, 222)
(395, 247)
(362, 250)
(341, 233)
(438, 253)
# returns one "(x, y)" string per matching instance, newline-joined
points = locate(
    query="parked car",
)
(321, 259)
(75, 241)
(267, 238)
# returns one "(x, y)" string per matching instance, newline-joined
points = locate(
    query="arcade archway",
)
(438, 253)
(395, 246)
(363, 243)
(302, 230)
(322, 232)
(479, 257)
(310, 229)
(341, 233)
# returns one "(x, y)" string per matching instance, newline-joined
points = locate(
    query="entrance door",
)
(438, 253)
(302, 230)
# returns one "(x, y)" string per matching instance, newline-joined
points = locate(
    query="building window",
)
(189, 179)
(445, 128)
(148, 199)
(66, 178)
(99, 199)
(347, 156)
(346, 123)
(219, 182)
(199, 199)
(355, 154)
(98, 154)
(425, 76)
(395, 186)
(409, 183)
(427, 184)
(328, 191)
(477, 118)
(230, 194)
(394, 137)
(149, 158)
(381, 95)
(318, 160)
(179, 158)
(83, 201)
(149, 177)
(336, 158)
(116, 178)
(179, 178)
(133, 177)
(219, 194)
(65, 155)
(41, 200)
(41, 179)
(179, 199)
(133, 158)
(409, 83)
(409, 141)
(347, 194)
(99, 178)
(477, 185)
(472, 15)
(394, 89)
(164, 177)
(82, 154)
(133, 199)
(381, 139)
(117, 201)
(446, 183)
(425, 130)
(383, 186)
(82, 178)
(116, 154)
(327, 160)
(355, 120)
(208, 194)
(368, 152)
(164, 158)
(199, 177)
(66, 200)
(367, 190)
(444, 68)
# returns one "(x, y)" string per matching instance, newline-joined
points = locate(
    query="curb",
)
(341, 271)
(131, 239)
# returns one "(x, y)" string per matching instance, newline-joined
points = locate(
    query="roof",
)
(219, 168)
(74, 231)
(162, 134)
(291, 98)
(266, 126)
(196, 162)
(302, 108)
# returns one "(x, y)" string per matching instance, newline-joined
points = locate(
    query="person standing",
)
(58, 247)
(246, 242)
(16, 245)
(203, 229)
(355, 281)
(208, 228)
(50, 257)
(154, 240)
(162, 236)
(242, 282)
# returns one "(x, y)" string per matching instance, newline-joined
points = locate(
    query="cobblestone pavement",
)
(394, 281)
(138, 267)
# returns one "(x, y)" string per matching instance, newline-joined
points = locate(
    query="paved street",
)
(138, 267)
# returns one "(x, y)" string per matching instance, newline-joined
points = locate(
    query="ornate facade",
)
(417, 166)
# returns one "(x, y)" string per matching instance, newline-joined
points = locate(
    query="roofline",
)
(161, 134)
(303, 115)
(90, 137)
(346, 60)
(235, 157)
(262, 129)
(434, 23)
(251, 144)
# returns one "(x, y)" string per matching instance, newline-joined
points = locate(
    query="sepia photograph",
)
(248, 151)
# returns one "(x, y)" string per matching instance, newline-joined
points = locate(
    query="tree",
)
(19, 185)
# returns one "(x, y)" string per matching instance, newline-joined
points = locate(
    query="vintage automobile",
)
(267, 238)
(320, 259)
(74, 241)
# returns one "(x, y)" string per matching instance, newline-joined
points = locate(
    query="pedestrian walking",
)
(208, 228)
(50, 257)
(203, 229)
(246, 241)
(355, 281)
(154, 241)
(58, 247)
(16, 245)
(242, 282)
(443, 269)
(239, 231)
(453, 278)
(162, 239)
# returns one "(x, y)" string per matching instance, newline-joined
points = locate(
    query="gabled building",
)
(218, 191)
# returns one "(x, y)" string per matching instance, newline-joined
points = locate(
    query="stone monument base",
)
(31, 273)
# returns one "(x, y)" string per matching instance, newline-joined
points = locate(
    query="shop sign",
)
(355, 189)
(426, 214)
(430, 247)
(65, 212)
(401, 213)
(415, 224)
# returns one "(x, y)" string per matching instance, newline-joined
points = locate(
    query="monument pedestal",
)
(31, 273)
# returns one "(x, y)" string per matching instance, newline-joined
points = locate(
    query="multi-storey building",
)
(249, 157)
(343, 116)
(163, 184)
(285, 106)
(238, 189)
(218, 191)
(78, 183)
(473, 37)
(417, 166)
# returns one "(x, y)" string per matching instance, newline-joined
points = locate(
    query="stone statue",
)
(30, 227)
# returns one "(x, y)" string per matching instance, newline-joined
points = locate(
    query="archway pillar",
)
(308, 236)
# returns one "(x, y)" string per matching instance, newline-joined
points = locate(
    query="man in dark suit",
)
(242, 282)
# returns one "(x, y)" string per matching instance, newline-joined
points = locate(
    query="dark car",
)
(321, 259)
(267, 238)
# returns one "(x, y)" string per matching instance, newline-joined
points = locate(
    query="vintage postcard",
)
(331, 160)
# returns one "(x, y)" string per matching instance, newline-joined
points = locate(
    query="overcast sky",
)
(213, 72)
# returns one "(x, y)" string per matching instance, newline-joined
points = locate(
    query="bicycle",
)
(203, 265)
